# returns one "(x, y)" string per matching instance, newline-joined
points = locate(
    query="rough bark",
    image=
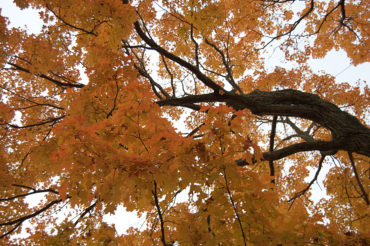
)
(347, 131)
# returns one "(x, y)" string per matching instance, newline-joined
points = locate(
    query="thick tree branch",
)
(347, 132)
(272, 137)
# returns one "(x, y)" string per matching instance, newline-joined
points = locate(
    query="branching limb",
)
(191, 134)
(348, 133)
(171, 76)
(203, 78)
(229, 76)
(196, 46)
(143, 72)
(302, 192)
(92, 32)
(294, 26)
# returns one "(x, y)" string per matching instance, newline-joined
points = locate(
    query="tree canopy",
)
(251, 135)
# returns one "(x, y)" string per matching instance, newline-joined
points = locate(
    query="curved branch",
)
(347, 131)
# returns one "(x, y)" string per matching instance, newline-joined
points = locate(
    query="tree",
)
(93, 146)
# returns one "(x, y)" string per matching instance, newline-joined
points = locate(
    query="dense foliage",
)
(250, 134)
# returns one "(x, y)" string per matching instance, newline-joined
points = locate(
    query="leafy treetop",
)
(93, 146)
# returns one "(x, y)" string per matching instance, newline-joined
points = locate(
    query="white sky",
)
(335, 63)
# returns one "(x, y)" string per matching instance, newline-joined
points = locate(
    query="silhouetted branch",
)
(87, 210)
(36, 124)
(28, 194)
(203, 78)
(29, 100)
(20, 220)
(59, 83)
(229, 76)
(154, 192)
(272, 137)
(115, 101)
(234, 207)
(73, 26)
(364, 194)
(302, 192)
(347, 131)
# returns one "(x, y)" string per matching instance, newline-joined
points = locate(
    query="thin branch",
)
(87, 210)
(72, 26)
(36, 124)
(196, 46)
(115, 101)
(203, 78)
(294, 26)
(302, 192)
(28, 194)
(191, 134)
(62, 84)
(20, 220)
(229, 76)
(364, 194)
(24, 186)
(234, 208)
(171, 75)
(143, 72)
(29, 100)
(154, 192)
(10, 231)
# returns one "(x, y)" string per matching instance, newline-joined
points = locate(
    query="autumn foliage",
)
(88, 108)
